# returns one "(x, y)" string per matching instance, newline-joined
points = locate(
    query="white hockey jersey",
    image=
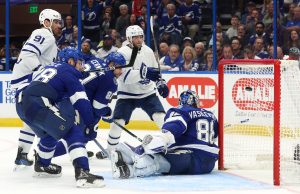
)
(39, 50)
(130, 83)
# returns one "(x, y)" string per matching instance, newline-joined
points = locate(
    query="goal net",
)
(259, 117)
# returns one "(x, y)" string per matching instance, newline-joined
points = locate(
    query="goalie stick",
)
(130, 64)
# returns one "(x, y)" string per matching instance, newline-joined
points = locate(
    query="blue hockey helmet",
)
(68, 53)
(116, 58)
(189, 98)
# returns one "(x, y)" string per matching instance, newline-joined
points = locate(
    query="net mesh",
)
(248, 118)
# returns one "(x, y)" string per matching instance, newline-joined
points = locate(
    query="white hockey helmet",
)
(49, 14)
(134, 30)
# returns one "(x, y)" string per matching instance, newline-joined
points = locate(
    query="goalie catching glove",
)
(162, 88)
(150, 73)
(157, 143)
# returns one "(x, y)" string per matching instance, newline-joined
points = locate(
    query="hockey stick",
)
(129, 132)
(101, 148)
(130, 64)
(154, 41)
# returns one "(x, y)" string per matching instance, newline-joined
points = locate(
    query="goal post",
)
(259, 116)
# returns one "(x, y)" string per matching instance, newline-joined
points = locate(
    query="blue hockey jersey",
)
(193, 128)
(99, 87)
(64, 80)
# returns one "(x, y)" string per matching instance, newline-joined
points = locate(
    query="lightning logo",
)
(53, 108)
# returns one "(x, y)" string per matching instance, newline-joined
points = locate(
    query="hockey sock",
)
(60, 149)
(115, 133)
(26, 138)
(46, 148)
(158, 118)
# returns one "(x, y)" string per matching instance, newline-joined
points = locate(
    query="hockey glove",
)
(162, 88)
(106, 114)
(91, 131)
(150, 73)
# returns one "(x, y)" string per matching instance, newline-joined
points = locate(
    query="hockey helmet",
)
(134, 30)
(116, 58)
(189, 98)
(68, 53)
(49, 14)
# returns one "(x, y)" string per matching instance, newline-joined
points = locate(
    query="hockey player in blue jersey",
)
(99, 87)
(186, 145)
(37, 106)
(39, 50)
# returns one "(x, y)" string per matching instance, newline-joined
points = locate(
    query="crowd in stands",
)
(178, 31)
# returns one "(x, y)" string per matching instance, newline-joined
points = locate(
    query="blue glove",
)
(105, 112)
(162, 88)
(91, 131)
(150, 73)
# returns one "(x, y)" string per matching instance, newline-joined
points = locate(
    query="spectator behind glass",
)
(200, 48)
(171, 26)
(293, 41)
(106, 23)
(259, 48)
(2, 58)
(173, 61)
(123, 20)
(86, 50)
(243, 36)
(132, 20)
(189, 56)
(259, 33)
(232, 30)
(252, 20)
(187, 41)
(294, 54)
(236, 48)
(190, 17)
(208, 60)
(294, 24)
(163, 49)
(249, 53)
(279, 52)
(91, 14)
(247, 15)
(74, 43)
(107, 47)
(290, 15)
(227, 52)
(67, 31)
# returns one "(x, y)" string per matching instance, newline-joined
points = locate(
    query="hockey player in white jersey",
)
(38, 51)
(137, 85)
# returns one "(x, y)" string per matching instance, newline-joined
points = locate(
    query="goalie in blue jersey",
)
(41, 106)
(186, 144)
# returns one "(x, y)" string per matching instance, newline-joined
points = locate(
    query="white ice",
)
(226, 182)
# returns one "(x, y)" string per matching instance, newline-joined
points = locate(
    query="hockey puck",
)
(248, 88)
(101, 155)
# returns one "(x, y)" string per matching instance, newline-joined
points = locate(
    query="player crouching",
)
(44, 106)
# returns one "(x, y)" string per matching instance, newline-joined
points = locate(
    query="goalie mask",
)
(132, 31)
(116, 58)
(189, 98)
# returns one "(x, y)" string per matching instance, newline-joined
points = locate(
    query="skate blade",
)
(45, 175)
(84, 184)
(21, 167)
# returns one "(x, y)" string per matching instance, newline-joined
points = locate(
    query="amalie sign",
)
(205, 87)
